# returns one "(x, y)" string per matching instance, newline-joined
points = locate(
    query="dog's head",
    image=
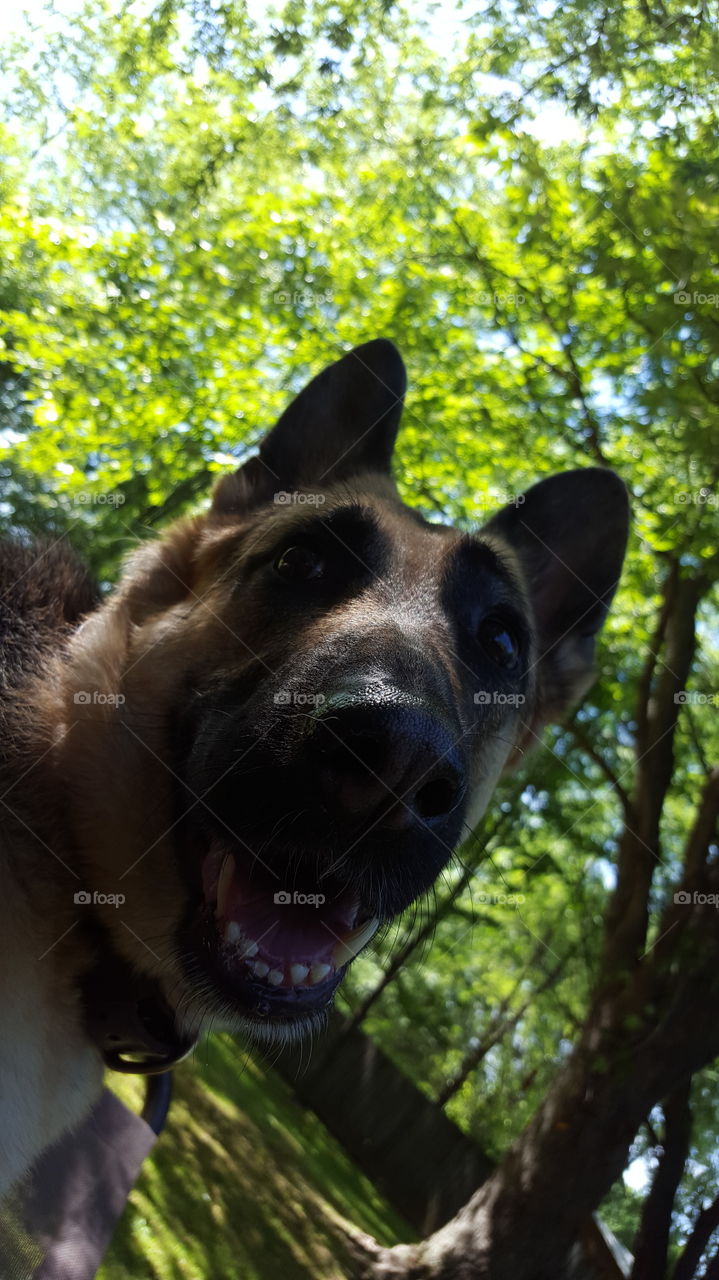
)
(313, 692)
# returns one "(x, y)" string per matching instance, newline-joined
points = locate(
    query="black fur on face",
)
(362, 722)
(334, 687)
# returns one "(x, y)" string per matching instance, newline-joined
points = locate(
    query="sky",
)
(552, 124)
(445, 21)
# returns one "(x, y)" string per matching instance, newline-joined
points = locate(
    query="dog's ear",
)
(569, 533)
(344, 421)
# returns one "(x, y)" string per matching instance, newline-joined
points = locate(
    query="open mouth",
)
(277, 952)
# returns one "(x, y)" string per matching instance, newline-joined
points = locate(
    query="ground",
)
(243, 1184)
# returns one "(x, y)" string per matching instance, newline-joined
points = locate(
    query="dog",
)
(267, 742)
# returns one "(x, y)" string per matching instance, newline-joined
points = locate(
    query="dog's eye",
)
(300, 564)
(499, 642)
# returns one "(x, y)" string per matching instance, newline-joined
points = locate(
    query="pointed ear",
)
(569, 534)
(345, 421)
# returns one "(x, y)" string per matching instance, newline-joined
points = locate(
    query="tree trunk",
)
(653, 1023)
(638, 1046)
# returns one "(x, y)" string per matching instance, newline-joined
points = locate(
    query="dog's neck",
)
(126, 1016)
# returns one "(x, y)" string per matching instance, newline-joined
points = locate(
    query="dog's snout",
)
(394, 766)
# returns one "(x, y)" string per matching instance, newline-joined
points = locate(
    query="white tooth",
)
(275, 977)
(224, 882)
(298, 973)
(233, 932)
(260, 969)
(319, 972)
(353, 942)
(249, 950)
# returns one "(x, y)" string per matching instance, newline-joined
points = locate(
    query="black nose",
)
(390, 765)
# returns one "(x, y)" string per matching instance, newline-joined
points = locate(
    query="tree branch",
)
(499, 1027)
(644, 684)
(590, 750)
(639, 853)
(704, 830)
(712, 1269)
(706, 1224)
(652, 1240)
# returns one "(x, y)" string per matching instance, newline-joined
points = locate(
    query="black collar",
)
(128, 1018)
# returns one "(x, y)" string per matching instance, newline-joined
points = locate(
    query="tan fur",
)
(89, 794)
(108, 774)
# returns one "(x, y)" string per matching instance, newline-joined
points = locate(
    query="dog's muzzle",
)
(388, 763)
(334, 820)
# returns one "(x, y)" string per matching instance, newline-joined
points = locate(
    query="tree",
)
(193, 197)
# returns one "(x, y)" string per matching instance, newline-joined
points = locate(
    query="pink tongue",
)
(299, 938)
(281, 929)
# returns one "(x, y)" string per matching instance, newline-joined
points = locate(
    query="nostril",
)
(435, 798)
(394, 765)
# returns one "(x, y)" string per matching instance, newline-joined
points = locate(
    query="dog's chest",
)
(50, 1074)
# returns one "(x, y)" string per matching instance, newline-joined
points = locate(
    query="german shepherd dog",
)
(267, 742)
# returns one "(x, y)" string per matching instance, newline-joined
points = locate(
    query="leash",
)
(79, 1187)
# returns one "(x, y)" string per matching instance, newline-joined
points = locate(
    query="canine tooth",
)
(298, 973)
(249, 950)
(224, 882)
(352, 944)
(260, 969)
(275, 977)
(233, 932)
(319, 972)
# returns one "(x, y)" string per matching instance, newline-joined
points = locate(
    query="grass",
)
(243, 1183)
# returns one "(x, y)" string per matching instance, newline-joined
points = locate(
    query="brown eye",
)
(499, 643)
(300, 564)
